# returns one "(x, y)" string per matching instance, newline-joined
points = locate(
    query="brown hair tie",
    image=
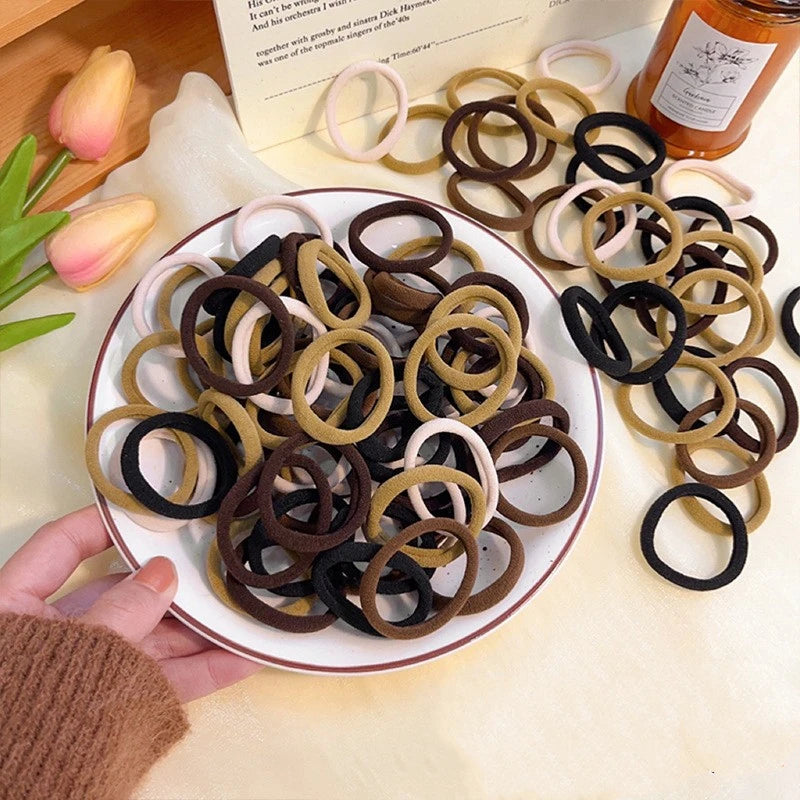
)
(484, 160)
(757, 225)
(467, 76)
(483, 174)
(368, 590)
(499, 588)
(518, 223)
(550, 196)
(399, 208)
(511, 418)
(766, 450)
(790, 410)
(581, 481)
(314, 542)
(280, 314)
(227, 549)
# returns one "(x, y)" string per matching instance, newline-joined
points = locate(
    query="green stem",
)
(45, 180)
(39, 275)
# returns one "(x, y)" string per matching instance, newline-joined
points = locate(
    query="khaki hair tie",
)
(623, 398)
(467, 76)
(531, 87)
(113, 493)
(764, 338)
(236, 413)
(326, 431)
(424, 110)
(695, 509)
(387, 492)
(307, 256)
(508, 360)
(667, 258)
(730, 351)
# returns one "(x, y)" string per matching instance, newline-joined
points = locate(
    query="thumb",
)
(137, 604)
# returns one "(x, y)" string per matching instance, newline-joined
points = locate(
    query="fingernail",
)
(157, 574)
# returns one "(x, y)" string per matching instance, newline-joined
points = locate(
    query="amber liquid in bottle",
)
(709, 74)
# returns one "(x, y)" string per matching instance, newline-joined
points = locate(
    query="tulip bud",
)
(99, 238)
(87, 114)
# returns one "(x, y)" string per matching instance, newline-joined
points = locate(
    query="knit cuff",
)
(85, 714)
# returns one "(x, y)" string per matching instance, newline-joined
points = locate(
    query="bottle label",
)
(708, 76)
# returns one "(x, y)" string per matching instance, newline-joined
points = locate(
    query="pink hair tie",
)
(274, 201)
(610, 248)
(724, 179)
(383, 147)
(580, 47)
(487, 472)
(154, 277)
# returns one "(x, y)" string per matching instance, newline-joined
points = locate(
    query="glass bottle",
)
(710, 69)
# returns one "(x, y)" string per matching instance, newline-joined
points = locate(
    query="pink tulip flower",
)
(87, 114)
(99, 238)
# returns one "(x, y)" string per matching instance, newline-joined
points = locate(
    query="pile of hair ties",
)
(658, 290)
(391, 386)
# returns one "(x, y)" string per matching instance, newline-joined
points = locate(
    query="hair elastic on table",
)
(519, 223)
(425, 111)
(580, 484)
(611, 247)
(550, 196)
(279, 313)
(398, 208)
(580, 47)
(705, 519)
(273, 201)
(484, 160)
(713, 428)
(615, 150)
(674, 341)
(720, 176)
(467, 76)
(610, 119)
(667, 259)
(715, 497)
(791, 418)
(756, 224)
(766, 452)
(147, 495)
(540, 126)
(482, 174)
(390, 140)
(448, 610)
(788, 325)
(487, 473)
(619, 363)
(140, 295)
(731, 352)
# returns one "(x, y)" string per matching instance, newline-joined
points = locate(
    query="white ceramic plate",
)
(340, 649)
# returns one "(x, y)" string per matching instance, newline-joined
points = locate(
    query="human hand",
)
(131, 605)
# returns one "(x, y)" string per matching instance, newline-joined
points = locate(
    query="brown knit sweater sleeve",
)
(83, 714)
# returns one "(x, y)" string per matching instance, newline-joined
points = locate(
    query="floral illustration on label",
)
(716, 64)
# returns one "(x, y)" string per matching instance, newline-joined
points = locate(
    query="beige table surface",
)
(610, 684)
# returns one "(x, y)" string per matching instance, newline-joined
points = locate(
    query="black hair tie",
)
(738, 528)
(591, 158)
(147, 495)
(790, 331)
(592, 348)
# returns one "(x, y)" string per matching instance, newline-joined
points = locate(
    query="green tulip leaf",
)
(10, 271)
(14, 333)
(15, 176)
(18, 238)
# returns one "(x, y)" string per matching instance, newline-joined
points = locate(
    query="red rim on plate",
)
(265, 658)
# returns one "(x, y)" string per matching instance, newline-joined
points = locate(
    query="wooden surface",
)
(166, 39)
(17, 17)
